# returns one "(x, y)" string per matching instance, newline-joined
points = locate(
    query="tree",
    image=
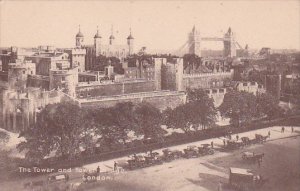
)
(149, 120)
(240, 107)
(201, 108)
(4, 137)
(178, 118)
(103, 61)
(267, 105)
(60, 128)
(115, 123)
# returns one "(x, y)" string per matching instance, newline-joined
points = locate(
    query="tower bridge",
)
(194, 43)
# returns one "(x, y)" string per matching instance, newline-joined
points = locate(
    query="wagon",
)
(153, 158)
(205, 150)
(244, 179)
(169, 155)
(246, 141)
(260, 138)
(252, 156)
(191, 151)
(136, 161)
(231, 144)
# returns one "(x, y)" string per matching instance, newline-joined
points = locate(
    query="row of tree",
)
(65, 129)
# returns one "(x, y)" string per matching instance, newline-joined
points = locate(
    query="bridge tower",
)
(229, 44)
(194, 42)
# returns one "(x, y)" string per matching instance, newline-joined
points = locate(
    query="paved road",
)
(275, 134)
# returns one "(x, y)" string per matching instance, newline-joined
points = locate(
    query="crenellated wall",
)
(160, 99)
(205, 80)
(114, 88)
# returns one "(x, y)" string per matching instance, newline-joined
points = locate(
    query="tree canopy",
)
(240, 107)
(60, 128)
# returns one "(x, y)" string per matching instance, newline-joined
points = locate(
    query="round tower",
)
(97, 43)
(79, 39)
(130, 43)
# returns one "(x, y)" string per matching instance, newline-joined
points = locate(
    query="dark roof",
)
(79, 34)
(130, 37)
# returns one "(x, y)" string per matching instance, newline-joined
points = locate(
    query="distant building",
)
(250, 87)
(120, 51)
(46, 61)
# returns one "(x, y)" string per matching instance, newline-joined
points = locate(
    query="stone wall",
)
(205, 80)
(106, 89)
(38, 81)
(161, 100)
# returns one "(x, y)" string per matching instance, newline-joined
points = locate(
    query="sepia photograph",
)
(149, 95)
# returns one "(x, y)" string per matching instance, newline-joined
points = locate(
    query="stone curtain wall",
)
(205, 80)
(114, 89)
(161, 100)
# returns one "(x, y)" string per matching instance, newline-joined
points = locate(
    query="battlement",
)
(76, 51)
(207, 74)
(70, 71)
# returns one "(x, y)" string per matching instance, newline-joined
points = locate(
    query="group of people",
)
(115, 167)
(283, 129)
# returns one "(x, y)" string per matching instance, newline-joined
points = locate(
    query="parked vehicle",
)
(206, 149)
(244, 179)
(191, 151)
(59, 177)
(169, 155)
(260, 138)
(153, 158)
(246, 141)
(136, 161)
(232, 144)
(252, 156)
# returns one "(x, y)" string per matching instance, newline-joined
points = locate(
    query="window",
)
(207, 91)
(245, 84)
(63, 79)
(221, 90)
(214, 91)
(24, 72)
(31, 72)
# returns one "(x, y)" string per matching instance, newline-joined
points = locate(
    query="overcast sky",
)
(155, 24)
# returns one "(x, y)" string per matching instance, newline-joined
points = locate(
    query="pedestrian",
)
(98, 170)
(212, 144)
(229, 136)
(269, 134)
(115, 166)
(237, 137)
(220, 187)
(259, 162)
(224, 142)
(282, 129)
(292, 129)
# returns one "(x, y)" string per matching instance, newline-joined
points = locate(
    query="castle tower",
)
(97, 43)
(112, 37)
(194, 42)
(79, 39)
(130, 43)
(229, 44)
